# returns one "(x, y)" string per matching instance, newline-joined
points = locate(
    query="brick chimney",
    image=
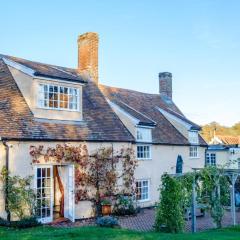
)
(88, 55)
(165, 85)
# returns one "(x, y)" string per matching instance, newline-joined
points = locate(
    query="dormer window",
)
(193, 137)
(58, 97)
(144, 134)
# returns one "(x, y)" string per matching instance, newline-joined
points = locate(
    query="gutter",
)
(7, 168)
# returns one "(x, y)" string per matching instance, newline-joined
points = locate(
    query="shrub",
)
(26, 222)
(124, 206)
(106, 202)
(107, 221)
(170, 213)
(20, 194)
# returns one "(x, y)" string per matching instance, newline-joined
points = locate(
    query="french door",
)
(71, 195)
(44, 192)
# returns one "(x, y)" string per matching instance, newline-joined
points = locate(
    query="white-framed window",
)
(143, 152)
(144, 134)
(58, 97)
(193, 151)
(142, 190)
(193, 137)
(211, 159)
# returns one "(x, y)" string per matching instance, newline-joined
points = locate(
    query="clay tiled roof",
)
(99, 123)
(148, 105)
(229, 140)
(143, 120)
(47, 70)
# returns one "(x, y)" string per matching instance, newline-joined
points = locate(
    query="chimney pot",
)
(165, 85)
(88, 55)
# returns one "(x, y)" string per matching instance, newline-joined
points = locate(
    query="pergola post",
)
(233, 204)
(193, 213)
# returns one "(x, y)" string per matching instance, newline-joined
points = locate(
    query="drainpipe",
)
(7, 168)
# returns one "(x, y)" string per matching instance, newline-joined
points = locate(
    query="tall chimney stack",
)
(165, 85)
(88, 55)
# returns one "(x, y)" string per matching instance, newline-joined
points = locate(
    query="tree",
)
(20, 195)
(170, 211)
(208, 130)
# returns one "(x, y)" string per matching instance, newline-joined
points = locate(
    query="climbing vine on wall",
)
(96, 175)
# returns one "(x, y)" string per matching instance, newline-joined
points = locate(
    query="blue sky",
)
(197, 40)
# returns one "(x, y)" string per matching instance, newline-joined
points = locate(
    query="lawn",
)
(95, 233)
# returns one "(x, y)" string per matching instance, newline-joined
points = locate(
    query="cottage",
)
(44, 105)
(225, 151)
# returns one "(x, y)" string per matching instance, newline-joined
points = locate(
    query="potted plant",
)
(106, 207)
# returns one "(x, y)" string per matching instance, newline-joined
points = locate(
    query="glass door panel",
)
(44, 191)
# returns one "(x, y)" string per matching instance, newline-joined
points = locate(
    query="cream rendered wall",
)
(235, 158)
(2, 164)
(20, 163)
(29, 88)
(226, 159)
(164, 159)
(222, 157)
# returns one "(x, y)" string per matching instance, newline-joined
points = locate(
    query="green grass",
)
(95, 233)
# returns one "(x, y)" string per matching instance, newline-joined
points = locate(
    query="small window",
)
(144, 134)
(142, 190)
(58, 97)
(211, 159)
(193, 152)
(143, 152)
(193, 137)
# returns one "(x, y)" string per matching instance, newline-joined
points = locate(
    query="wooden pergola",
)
(232, 175)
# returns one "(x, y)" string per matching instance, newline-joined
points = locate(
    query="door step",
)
(59, 221)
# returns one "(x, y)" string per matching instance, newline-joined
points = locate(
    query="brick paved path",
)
(144, 221)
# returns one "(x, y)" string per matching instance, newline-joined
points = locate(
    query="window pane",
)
(142, 190)
(143, 152)
(50, 88)
(39, 173)
(43, 172)
(56, 97)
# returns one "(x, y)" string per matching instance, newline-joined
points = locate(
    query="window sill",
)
(143, 201)
(194, 157)
(144, 159)
(58, 109)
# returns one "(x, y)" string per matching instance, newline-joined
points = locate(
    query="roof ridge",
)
(37, 62)
(120, 88)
